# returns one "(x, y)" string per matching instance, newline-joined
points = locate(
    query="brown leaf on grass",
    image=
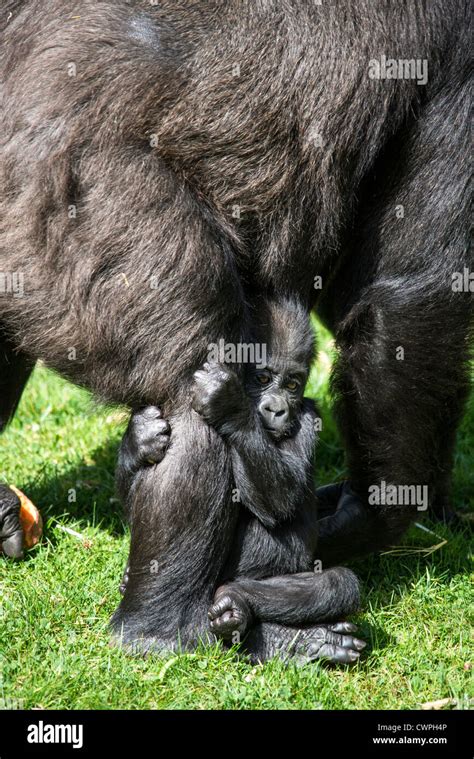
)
(442, 703)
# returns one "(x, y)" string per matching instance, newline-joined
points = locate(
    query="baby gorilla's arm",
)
(145, 442)
(271, 478)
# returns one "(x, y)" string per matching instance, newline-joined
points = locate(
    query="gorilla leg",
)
(15, 368)
(182, 522)
(402, 376)
(157, 284)
(297, 599)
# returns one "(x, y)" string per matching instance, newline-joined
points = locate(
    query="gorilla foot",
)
(135, 639)
(230, 613)
(333, 642)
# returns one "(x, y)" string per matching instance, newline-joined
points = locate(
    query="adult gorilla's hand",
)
(349, 528)
(342, 523)
(337, 503)
(11, 533)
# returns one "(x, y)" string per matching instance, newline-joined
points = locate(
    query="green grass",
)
(55, 606)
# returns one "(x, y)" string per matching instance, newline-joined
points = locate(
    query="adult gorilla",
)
(158, 160)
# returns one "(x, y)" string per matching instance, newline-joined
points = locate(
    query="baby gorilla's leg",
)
(144, 444)
(281, 614)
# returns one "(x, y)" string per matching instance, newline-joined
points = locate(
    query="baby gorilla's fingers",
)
(11, 533)
(148, 412)
(201, 376)
(218, 395)
(145, 443)
(211, 377)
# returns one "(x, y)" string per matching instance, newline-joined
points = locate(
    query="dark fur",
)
(272, 480)
(271, 474)
(166, 211)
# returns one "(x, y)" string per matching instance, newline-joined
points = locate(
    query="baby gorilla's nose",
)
(274, 412)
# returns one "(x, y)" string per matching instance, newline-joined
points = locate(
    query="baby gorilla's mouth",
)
(277, 433)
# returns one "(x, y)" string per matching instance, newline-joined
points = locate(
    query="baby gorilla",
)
(266, 592)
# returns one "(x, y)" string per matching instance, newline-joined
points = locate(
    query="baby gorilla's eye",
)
(264, 379)
(292, 385)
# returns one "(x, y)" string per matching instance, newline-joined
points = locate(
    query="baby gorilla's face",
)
(277, 391)
(284, 328)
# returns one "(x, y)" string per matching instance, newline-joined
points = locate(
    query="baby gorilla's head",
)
(277, 388)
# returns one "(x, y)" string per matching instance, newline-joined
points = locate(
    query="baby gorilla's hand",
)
(147, 438)
(218, 395)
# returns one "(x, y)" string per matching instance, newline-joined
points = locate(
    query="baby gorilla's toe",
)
(229, 614)
(329, 642)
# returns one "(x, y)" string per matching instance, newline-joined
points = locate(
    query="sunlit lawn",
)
(55, 606)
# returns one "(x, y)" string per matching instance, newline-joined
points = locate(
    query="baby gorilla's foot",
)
(148, 437)
(332, 642)
(230, 613)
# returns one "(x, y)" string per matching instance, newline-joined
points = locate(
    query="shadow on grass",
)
(84, 493)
